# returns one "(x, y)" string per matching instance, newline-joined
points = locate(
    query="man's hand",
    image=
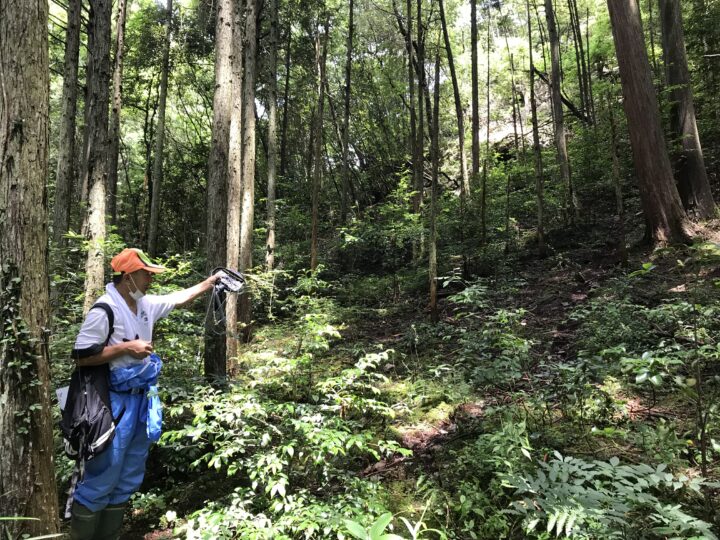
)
(139, 348)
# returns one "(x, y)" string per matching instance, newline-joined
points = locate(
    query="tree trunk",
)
(248, 150)
(346, 121)
(411, 102)
(215, 364)
(419, 169)
(95, 165)
(27, 472)
(286, 99)
(664, 216)
(272, 137)
(435, 151)
(571, 204)
(536, 145)
(157, 176)
(64, 178)
(692, 177)
(465, 189)
(114, 147)
(475, 97)
(234, 179)
(320, 57)
(619, 204)
(486, 164)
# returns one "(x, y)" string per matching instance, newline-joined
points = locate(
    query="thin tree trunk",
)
(27, 472)
(234, 178)
(248, 150)
(475, 97)
(320, 57)
(419, 169)
(114, 147)
(346, 121)
(664, 216)
(64, 178)
(577, 39)
(215, 362)
(486, 161)
(157, 178)
(435, 151)
(465, 191)
(616, 183)
(651, 30)
(691, 175)
(95, 165)
(571, 204)
(536, 145)
(272, 137)
(286, 99)
(411, 104)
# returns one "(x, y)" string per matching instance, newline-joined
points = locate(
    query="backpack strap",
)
(78, 354)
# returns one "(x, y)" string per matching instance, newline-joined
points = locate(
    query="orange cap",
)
(132, 259)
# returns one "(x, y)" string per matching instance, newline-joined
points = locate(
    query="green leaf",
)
(357, 530)
(380, 523)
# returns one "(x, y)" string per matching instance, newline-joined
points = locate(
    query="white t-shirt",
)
(127, 325)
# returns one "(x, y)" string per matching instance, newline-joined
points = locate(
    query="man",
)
(100, 498)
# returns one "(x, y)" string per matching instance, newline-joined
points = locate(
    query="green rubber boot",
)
(83, 523)
(111, 520)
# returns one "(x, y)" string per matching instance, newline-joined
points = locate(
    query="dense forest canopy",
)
(480, 247)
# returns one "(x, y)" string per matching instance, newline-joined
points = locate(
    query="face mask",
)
(137, 294)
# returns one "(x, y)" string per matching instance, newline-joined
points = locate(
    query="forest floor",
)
(541, 304)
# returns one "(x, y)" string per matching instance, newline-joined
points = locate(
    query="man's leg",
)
(111, 520)
(84, 523)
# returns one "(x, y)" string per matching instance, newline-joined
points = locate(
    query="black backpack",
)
(87, 424)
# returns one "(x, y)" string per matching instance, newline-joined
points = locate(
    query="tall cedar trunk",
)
(664, 215)
(619, 204)
(435, 151)
(248, 150)
(215, 364)
(286, 99)
(411, 100)
(234, 178)
(114, 148)
(345, 192)
(419, 169)
(64, 178)
(536, 145)
(157, 176)
(475, 105)
(486, 164)
(571, 205)
(97, 101)
(465, 188)
(272, 137)
(27, 472)
(692, 177)
(320, 57)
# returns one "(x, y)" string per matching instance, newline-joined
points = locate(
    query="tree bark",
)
(571, 203)
(664, 216)
(465, 186)
(346, 121)
(419, 160)
(286, 99)
(691, 175)
(114, 146)
(539, 188)
(157, 176)
(411, 102)
(95, 166)
(214, 361)
(27, 472)
(475, 97)
(486, 164)
(234, 179)
(272, 138)
(64, 177)
(435, 151)
(320, 58)
(248, 150)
